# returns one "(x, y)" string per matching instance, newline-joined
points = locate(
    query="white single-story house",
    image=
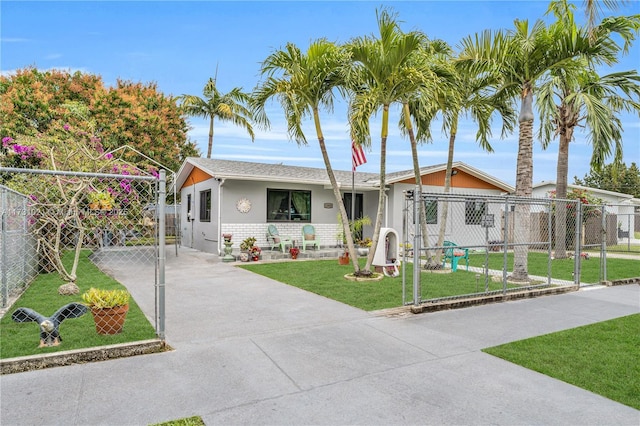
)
(243, 198)
(622, 206)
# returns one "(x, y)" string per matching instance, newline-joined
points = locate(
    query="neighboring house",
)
(620, 207)
(243, 198)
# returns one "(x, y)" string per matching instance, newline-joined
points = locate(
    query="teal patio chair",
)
(276, 240)
(454, 254)
(309, 237)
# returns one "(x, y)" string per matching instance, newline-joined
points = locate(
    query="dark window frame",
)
(474, 211)
(205, 205)
(288, 211)
(431, 211)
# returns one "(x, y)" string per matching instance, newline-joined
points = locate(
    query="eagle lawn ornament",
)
(49, 327)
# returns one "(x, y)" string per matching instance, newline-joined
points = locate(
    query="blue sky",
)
(179, 45)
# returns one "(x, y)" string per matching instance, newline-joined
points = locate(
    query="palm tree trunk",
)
(447, 185)
(524, 178)
(418, 179)
(382, 192)
(561, 195)
(336, 194)
(210, 147)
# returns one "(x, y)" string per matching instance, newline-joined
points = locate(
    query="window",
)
(285, 205)
(189, 214)
(474, 211)
(205, 206)
(431, 211)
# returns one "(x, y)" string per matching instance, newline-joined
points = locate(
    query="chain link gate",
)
(57, 216)
(485, 241)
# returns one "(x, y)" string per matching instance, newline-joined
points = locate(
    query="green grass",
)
(602, 357)
(562, 268)
(624, 248)
(326, 278)
(21, 339)
(188, 421)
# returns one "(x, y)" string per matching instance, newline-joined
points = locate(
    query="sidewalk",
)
(249, 350)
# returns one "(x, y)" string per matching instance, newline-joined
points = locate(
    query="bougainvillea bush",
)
(69, 211)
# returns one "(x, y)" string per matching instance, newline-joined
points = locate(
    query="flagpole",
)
(353, 193)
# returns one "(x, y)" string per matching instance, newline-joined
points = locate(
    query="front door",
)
(353, 210)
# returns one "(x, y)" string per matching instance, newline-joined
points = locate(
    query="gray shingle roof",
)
(278, 172)
(245, 170)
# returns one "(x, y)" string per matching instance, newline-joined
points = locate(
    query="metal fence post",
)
(577, 259)
(405, 234)
(161, 253)
(417, 247)
(505, 232)
(549, 232)
(603, 245)
(4, 266)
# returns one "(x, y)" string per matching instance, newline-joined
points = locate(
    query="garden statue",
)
(49, 327)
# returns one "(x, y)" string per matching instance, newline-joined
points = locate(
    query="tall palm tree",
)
(432, 60)
(578, 96)
(472, 95)
(523, 56)
(304, 83)
(386, 71)
(231, 107)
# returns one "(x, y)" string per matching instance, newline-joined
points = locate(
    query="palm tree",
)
(432, 60)
(523, 57)
(587, 100)
(386, 70)
(305, 83)
(593, 11)
(473, 95)
(231, 107)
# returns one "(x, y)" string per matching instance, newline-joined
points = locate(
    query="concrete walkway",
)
(249, 350)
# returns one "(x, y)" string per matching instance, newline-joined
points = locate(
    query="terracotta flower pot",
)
(110, 320)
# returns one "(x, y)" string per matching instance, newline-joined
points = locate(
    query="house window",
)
(189, 214)
(286, 205)
(431, 211)
(474, 211)
(205, 206)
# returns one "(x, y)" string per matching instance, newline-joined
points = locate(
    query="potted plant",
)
(293, 251)
(108, 307)
(101, 200)
(364, 246)
(247, 243)
(343, 259)
(254, 252)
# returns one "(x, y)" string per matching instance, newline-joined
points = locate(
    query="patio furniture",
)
(309, 237)
(454, 254)
(276, 240)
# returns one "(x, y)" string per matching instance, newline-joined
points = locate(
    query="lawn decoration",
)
(49, 327)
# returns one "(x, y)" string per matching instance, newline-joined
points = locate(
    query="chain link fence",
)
(18, 246)
(82, 226)
(491, 245)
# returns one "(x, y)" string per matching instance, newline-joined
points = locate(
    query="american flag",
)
(357, 155)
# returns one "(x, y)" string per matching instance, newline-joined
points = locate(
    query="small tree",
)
(61, 210)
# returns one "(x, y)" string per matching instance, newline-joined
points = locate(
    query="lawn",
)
(326, 278)
(602, 357)
(21, 339)
(562, 268)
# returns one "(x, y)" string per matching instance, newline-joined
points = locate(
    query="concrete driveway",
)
(249, 350)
